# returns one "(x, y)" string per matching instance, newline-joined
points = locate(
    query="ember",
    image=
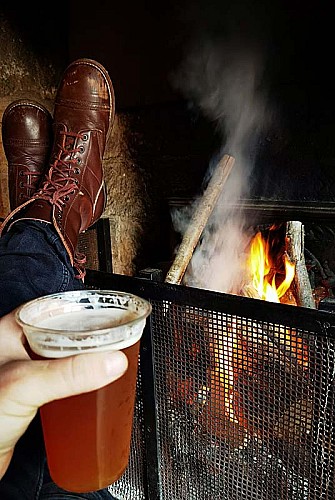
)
(238, 362)
(236, 370)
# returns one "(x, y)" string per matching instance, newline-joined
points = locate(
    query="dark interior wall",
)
(139, 42)
(39, 32)
(143, 43)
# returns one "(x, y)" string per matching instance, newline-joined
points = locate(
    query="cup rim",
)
(45, 298)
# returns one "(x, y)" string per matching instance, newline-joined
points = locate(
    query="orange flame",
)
(231, 357)
(237, 366)
(262, 273)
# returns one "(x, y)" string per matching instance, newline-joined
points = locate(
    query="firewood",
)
(295, 252)
(257, 366)
(295, 423)
(199, 220)
(250, 291)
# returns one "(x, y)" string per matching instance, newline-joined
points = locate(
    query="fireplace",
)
(235, 398)
(235, 395)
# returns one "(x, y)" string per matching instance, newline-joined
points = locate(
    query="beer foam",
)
(87, 320)
(76, 332)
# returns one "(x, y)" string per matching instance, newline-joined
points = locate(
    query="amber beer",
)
(87, 437)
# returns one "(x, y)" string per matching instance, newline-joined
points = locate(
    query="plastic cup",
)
(87, 437)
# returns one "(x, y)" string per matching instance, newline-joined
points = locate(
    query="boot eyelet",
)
(21, 184)
(76, 181)
(21, 196)
(66, 198)
(78, 161)
(84, 137)
(77, 171)
(81, 149)
(21, 173)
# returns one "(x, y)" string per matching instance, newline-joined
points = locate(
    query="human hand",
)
(25, 385)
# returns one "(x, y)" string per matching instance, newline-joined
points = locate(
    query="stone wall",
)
(154, 152)
(24, 74)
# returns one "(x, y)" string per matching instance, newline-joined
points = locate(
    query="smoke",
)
(225, 81)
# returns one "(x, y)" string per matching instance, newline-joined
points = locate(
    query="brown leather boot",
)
(72, 196)
(26, 138)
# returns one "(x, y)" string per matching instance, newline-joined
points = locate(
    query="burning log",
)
(271, 270)
(277, 266)
(295, 423)
(233, 373)
(295, 251)
(199, 220)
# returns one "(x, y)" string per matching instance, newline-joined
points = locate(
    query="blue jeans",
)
(34, 262)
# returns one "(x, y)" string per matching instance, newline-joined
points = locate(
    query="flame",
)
(231, 354)
(240, 349)
(263, 275)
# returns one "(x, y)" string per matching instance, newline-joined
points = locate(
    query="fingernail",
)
(116, 363)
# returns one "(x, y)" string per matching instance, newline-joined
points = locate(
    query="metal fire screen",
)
(236, 399)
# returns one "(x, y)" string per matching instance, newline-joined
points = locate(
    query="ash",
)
(199, 466)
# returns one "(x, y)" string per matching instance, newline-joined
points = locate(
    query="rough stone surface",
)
(24, 74)
(128, 203)
(21, 71)
(154, 152)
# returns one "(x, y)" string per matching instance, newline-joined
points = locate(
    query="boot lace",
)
(79, 265)
(35, 180)
(59, 182)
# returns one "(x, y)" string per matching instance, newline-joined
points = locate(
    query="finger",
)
(27, 385)
(84, 373)
(34, 383)
(11, 339)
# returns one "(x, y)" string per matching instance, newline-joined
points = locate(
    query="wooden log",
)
(199, 220)
(295, 251)
(252, 379)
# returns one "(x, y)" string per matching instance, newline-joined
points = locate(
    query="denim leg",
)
(28, 477)
(50, 491)
(25, 474)
(33, 262)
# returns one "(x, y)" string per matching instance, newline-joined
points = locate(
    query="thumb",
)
(82, 373)
(26, 385)
(34, 383)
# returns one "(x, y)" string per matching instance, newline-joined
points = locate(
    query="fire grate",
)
(226, 438)
(243, 403)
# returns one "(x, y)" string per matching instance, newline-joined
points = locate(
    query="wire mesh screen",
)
(238, 400)
(245, 408)
(131, 484)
